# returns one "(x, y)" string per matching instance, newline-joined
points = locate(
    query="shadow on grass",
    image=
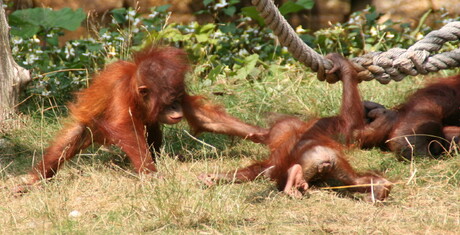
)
(15, 157)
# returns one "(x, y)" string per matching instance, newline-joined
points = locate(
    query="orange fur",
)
(303, 152)
(424, 125)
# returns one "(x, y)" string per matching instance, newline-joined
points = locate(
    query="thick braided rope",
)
(394, 64)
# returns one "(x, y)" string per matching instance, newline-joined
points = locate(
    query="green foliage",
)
(219, 9)
(292, 7)
(362, 34)
(61, 70)
(253, 14)
(247, 66)
(236, 48)
(29, 22)
(285, 9)
(221, 45)
(73, 59)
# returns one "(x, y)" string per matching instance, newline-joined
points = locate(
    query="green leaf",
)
(94, 47)
(22, 28)
(163, 8)
(206, 2)
(119, 15)
(306, 4)
(33, 16)
(230, 11)
(290, 7)
(254, 14)
(66, 18)
(173, 34)
(52, 40)
(372, 16)
(202, 37)
(207, 28)
(228, 28)
(214, 72)
(249, 65)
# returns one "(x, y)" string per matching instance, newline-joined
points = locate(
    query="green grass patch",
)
(98, 193)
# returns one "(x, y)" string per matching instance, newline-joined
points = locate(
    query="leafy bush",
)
(222, 9)
(39, 21)
(362, 34)
(232, 49)
(60, 70)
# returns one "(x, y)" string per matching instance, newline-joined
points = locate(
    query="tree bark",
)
(12, 76)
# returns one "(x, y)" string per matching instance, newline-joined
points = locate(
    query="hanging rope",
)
(394, 64)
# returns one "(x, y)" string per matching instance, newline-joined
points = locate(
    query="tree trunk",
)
(12, 76)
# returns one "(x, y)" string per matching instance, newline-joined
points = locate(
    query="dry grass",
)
(97, 192)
